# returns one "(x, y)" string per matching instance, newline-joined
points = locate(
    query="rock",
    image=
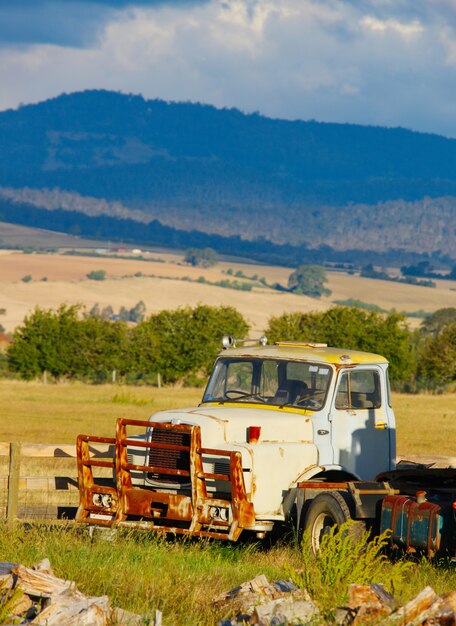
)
(372, 594)
(73, 611)
(370, 613)
(43, 566)
(59, 601)
(22, 605)
(41, 585)
(413, 609)
(6, 567)
(285, 611)
(120, 617)
(258, 601)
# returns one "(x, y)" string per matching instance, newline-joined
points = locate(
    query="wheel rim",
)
(321, 526)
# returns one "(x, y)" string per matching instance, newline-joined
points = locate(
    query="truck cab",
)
(271, 418)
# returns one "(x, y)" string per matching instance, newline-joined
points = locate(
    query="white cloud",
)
(406, 30)
(374, 62)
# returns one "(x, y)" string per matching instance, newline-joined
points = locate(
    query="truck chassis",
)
(418, 504)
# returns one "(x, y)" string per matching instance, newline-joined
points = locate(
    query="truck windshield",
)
(268, 381)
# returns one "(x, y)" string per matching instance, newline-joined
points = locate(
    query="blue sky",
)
(380, 62)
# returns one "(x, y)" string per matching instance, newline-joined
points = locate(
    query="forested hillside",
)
(196, 168)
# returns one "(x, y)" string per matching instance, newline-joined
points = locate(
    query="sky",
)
(378, 62)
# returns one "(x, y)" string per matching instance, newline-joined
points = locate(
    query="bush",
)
(27, 278)
(97, 275)
(45, 342)
(346, 557)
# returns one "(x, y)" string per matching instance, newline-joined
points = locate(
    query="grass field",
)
(180, 577)
(35, 412)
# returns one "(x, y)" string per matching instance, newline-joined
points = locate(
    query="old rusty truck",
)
(296, 430)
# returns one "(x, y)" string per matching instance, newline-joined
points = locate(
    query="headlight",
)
(107, 500)
(97, 499)
(219, 513)
(104, 500)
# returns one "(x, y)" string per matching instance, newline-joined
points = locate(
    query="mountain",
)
(109, 162)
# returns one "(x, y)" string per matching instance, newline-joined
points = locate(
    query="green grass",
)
(181, 577)
(142, 573)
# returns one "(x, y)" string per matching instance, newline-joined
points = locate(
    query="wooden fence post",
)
(13, 483)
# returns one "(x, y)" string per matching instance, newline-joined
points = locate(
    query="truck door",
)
(360, 431)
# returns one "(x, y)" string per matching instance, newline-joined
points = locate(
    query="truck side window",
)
(359, 389)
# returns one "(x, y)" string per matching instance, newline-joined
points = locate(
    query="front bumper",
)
(197, 512)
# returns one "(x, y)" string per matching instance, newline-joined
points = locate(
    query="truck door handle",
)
(322, 432)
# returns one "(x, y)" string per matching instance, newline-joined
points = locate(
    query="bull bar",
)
(193, 513)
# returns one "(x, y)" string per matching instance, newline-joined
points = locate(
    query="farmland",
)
(162, 281)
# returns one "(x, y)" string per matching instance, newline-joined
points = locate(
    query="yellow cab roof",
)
(319, 353)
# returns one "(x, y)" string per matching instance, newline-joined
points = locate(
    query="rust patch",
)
(194, 511)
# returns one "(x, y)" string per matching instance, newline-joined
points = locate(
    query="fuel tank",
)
(420, 524)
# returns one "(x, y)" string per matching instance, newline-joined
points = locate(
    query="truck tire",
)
(325, 511)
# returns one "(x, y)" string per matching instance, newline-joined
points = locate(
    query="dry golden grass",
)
(389, 295)
(34, 412)
(426, 425)
(37, 413)
(161, 287)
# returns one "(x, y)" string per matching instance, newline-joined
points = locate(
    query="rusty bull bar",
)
(162, 510)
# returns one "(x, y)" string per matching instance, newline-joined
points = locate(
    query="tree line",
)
(179, 346)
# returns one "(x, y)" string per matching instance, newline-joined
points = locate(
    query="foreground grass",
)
(33, 412)
(142, 573)
(181, 577)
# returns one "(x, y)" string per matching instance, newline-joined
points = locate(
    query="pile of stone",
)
(282, 603)
(33, 595)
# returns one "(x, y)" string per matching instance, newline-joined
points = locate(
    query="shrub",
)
(97, 275)
(27, 278)
(309, 280)
(346, 557)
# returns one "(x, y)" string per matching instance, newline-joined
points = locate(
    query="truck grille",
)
(167, 458)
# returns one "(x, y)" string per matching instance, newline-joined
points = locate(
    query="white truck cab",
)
(271, 418)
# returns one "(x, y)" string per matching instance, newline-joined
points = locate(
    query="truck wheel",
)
(325, 511)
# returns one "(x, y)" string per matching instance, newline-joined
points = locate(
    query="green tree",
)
(309, 280)
(45, 342)
(27, 278)
(435, 323)
(354, 329)
(100, 347)
(2, 328)
(200, 257)
(437, 365)
(138, 312)
(182, 342)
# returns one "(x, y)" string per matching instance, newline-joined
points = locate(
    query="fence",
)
(39, 481)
